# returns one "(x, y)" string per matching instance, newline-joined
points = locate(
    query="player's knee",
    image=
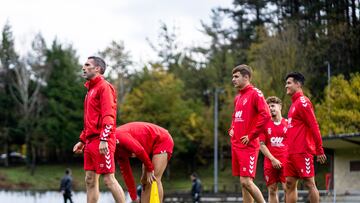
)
(158, 176)
(109, 181)
(90, 180)
(272, 190)
(310, 185)
(290, 184)
(246, 184)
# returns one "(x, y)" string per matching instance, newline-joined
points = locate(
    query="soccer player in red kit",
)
(153, 145)
(304, 140)
(273, 146)
(251, 113)
(97, 140)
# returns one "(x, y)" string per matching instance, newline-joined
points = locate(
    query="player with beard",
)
(273, 146)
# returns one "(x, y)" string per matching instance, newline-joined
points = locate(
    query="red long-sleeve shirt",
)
(249, 118)
(303, 129)
(127, 146)
(136, 138)
(99, 111)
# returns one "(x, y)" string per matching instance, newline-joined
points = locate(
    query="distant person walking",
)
(66, 186)
(195, 188)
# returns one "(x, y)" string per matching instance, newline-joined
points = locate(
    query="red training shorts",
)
(244, 162)
(164, 144)
(94, 161)
(300, 166)
(273, 175)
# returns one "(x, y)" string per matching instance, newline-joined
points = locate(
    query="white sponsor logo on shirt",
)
(277, 141)
(238, 117)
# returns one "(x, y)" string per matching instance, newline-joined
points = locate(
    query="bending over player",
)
(150, 143)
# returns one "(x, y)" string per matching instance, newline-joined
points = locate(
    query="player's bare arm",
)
(275, 162)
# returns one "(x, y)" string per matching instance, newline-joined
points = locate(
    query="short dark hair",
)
(243, 69)
(273, 99)
(298, 77)
(194, 175)
(99, 62)
(67, 171)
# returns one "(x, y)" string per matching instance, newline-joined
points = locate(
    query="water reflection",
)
(47, 197)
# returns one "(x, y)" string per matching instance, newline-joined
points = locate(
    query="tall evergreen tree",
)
(8, 60)
(62, 121)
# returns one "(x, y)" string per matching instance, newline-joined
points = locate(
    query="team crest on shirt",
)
(244, 102)
(238, 117)
(269, 131)
(285, 129)
(244, 168)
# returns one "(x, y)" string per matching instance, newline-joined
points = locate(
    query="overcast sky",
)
(90, 25)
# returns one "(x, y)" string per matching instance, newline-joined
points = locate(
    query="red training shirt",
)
(303, 129)
(274, 138)
(249, 118)
(136, 138)
(99, 111)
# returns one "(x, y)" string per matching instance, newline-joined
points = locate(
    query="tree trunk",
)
(6, 151)
(33, 160)
(353, 13)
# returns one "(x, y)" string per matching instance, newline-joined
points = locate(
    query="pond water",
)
(49, 197)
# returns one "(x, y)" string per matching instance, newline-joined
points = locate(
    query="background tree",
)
(62, 122)
(272, 57)
(340, 110)
(118, 64)
(9, 59)
(158, 99)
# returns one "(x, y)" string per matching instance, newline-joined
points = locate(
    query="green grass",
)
(47, 177)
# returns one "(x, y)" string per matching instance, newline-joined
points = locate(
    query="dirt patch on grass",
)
(23, 185)
(3, 183)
